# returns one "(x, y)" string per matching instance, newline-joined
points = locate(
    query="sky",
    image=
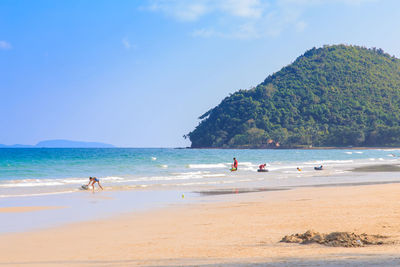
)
(140, 73)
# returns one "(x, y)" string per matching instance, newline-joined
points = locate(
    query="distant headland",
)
(61, 143)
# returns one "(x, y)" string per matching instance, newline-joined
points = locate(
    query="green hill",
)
(337, 95)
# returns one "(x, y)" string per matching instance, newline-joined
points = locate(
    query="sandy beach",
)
(236, 229)
(26, 209)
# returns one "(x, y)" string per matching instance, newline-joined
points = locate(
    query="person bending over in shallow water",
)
(93, 180)
(262, 166)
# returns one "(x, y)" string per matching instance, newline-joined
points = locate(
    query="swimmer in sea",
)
(93, 180)
(235, 164)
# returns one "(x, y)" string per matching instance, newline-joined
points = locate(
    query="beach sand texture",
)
(241, 229)
(26, 209)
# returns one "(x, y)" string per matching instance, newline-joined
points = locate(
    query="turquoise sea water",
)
(57, 170)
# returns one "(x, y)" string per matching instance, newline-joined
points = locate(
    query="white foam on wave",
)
(30, 183)
(112, 178)
(214, 175)
(247, 164)
(207, 166)
(74, 181)
(177, 176)
(53, 182)
(349, 153)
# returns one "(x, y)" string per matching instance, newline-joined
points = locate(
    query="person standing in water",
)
(93, 180)
(235, 164)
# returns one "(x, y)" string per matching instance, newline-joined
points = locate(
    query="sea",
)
(44, 171)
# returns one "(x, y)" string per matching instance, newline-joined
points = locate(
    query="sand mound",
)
(335, 239)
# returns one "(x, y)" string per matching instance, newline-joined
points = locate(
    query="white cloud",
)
(317, 2)
(243, 8)
(243, 19)
(126, 43)
(300, 26)
(185, 10)
(206, 33)
(5, 45)
(180, 9)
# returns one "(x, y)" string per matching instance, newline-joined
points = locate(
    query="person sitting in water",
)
(319, 168)
(262, 166)
(235, 164)
(93, 180)
(298, 169)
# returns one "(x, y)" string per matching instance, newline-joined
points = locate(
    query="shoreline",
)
(84, 206)
(228, 230)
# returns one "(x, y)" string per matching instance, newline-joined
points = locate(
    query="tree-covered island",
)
(337, 95)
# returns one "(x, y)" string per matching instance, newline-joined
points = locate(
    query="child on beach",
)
(93, 180)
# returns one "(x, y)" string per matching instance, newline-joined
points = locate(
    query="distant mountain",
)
(16, 146)
(75, 144)
(337, 95)
(60, 143)
(22, 146)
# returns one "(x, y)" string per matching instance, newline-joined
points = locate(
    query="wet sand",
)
(378, 168)
(27, 209)
(236, 229)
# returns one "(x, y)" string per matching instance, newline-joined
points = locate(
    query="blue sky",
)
(140, 73)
